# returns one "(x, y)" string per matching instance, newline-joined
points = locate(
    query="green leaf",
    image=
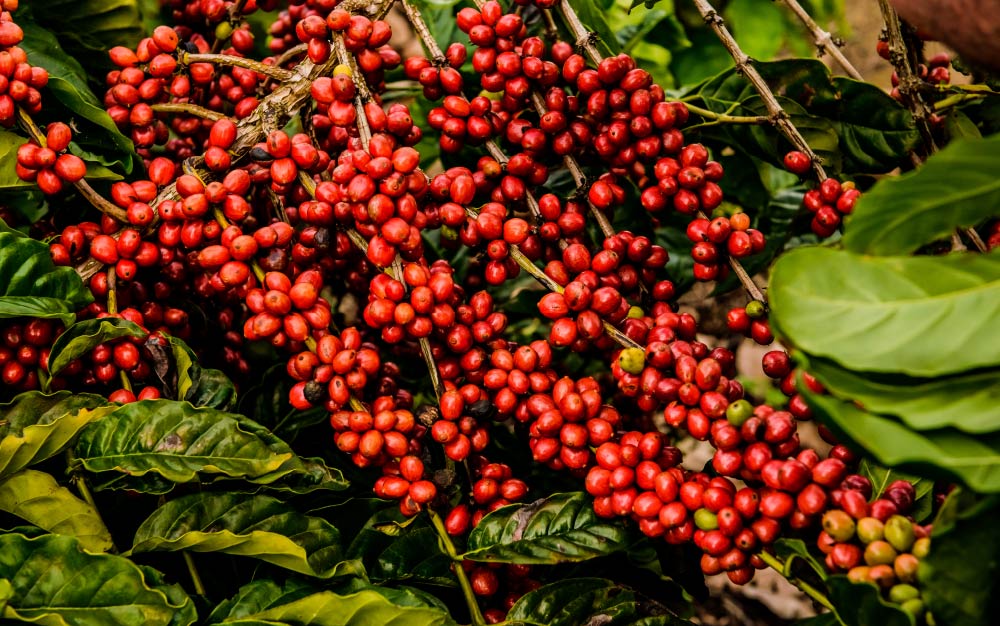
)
(959, 578)
(68, 85)
(210, 388)
(39, 307)
(946, 452)
(36, 426)
(177, 367)
(6, 593)
(102, 23)
(257, 526)
(791, 551)
(588, 601)
(593, 16)
(258, 596)
(82, 337)
(968, 402)
(861, 604)
(957, 187)
(363, 608)
(562, 528)
(55, 583)
(181, 443)
(409, 552)
(922, 316)
(759, 27)
(27, 271)
(37, 498)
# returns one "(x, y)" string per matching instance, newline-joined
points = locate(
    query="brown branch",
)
(744, 65)
(188, 109)
(229, 60)
(825, 42)
(363, 94)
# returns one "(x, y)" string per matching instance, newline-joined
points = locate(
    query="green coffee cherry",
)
(705, 519)
(903, 592)
(632, 360)
(870, 529)
(921, 547)
(755, 309)
(223, 31)
(636, 312)
(914, 607)
(839, 525)
(739, 412)
(899, 533)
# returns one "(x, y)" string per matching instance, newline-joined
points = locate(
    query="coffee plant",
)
(436, 311)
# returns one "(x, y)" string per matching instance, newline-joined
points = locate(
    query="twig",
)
(825, 42)
(290, 54)
(463, 580)
(189, 109)
(199, 587)
(744, 65)
(97, 200)
(584, 37)
(80, 482)
(229, 60)
(976, 239)
(909, 83)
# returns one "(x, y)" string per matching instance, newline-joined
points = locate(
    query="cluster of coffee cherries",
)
(277, 242)
(829, 202)
(874, 542)
(50, 166)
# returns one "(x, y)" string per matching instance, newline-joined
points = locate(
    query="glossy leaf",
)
(258, 596)
(861, 604)
(257, 526)
(44, 308)
(177, 367)
(55, 583)
(101, 23)
(945, 452)
(559, 529)
(968, 402)
(413, 553)
(26, 268)
(588, 601)
(960, 578)
(82, 337)
(181, 443)
(921, 316)
(37, 498)
(957, 187)
(362, 608)
(36, 426)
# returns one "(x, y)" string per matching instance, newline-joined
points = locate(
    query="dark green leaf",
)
(876, 132)
(588, 601)
(559, 529)
(861, 604)
(922, 316)
(945, 453)
(57, 584)
(36, 426)
(82, 337)
(310, 475)
(27, 270)
(960, 576)
(957, 187)
(102, 23)
(37, 498)
(759, 27)
(257, 526)
(413, 553)
(968, 402)
(258, 596)
(181, 443)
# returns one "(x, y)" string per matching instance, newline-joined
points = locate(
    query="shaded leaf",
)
(922, 316)
(258, 596)
(791, 551)
(409, 552)
(56, 583)
(37, 498)
(82, 337)
(861, 604)
(956, 187)
(968, 402)
(588, 601)
(945, 452)
(44, 308)
(26, 268)
(36, 426)
(181, 443)
(961, 575)
(257, 526)
(558, 529)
